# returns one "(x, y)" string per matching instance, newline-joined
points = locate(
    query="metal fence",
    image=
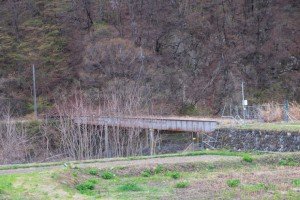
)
(256, 112)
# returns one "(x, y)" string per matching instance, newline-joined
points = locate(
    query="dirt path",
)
(124, 163)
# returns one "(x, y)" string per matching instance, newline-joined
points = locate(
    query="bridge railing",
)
(151, 123)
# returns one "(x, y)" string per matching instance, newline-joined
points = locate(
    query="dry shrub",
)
(83, 141)
(271, 112)
(294, 111)
(13, 142)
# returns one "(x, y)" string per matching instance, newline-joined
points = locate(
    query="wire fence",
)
(263, 113)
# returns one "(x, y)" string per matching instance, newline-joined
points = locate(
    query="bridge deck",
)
(159, 123)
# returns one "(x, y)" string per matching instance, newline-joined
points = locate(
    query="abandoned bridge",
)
(149, 124)
(154, 123)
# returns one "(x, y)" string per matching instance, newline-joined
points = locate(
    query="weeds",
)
(271, 112)
(182, 184)
(108, 175)
(288, 162)
(158, 169)
(247, 158)
(296, 182)
(130, 187)
(54, 175)
(146, 173)
(75, 174)
(233, 182)
(93, 171)
(294, 111)
(87, 187)
(211, 167)
(174, 175)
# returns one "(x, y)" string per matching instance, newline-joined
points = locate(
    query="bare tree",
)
(82, 13)
(16, 8)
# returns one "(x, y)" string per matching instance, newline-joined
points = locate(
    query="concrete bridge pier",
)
(152, 142)
(106, 143)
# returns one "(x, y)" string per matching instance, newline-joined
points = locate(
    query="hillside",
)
(167, 56)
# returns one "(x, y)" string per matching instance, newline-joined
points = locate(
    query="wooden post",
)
(152, 142)
(106, 141)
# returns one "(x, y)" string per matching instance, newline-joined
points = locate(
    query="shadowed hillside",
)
(186, 57)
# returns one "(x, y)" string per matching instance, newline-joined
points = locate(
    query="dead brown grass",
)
(271, 112)
(294, 111)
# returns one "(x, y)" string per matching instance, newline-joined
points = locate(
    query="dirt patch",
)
(278, 180)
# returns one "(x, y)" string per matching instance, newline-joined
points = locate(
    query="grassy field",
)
(245, 176)
(293, 127)
(194, 153)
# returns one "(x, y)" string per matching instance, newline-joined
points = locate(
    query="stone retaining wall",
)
(257, 140)
(234, 139)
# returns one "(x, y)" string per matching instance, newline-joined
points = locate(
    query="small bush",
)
(233, 182)
(247, 158)
(296, 182)
(159, 169)
(130, 187)
(174, 175)
(93, 172)
(146, 173)
(287, 162)
(87, 187)
(107, 175)
(182, 184)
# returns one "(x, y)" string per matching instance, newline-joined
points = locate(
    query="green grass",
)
(182, 184)
(6, 183)
(255, 187)
(36, 185)
(130, 187)
(288, 162)
(293, 127)
(296, 182)
(247, 158)
(233, 182)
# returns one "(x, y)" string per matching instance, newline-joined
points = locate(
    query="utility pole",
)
(286, 110)
(34, 92)
(243, 101)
